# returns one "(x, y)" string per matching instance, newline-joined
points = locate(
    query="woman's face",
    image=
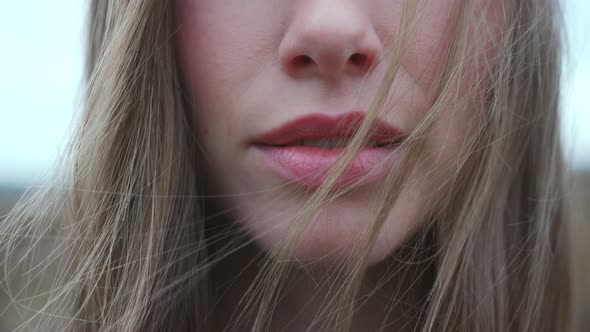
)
(278, 85)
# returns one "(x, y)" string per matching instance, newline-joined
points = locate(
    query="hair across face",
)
(471, 88)
(261, 66)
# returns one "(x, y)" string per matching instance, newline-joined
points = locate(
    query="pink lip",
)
(310, 166)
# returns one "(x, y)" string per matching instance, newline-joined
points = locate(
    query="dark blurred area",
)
(8, 197)
(580, 245)
(582, 192)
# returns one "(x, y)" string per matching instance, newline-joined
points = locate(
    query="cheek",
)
(218, 57)
(469, 77)
(425, 55)
(438, 22)
(219, 62)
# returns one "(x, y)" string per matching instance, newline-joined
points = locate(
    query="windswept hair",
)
(117, 242)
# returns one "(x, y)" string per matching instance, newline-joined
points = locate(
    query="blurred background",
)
(41, 65)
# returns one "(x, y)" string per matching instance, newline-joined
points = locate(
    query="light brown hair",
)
(124, 233)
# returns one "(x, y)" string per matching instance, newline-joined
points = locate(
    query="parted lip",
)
(320, 125)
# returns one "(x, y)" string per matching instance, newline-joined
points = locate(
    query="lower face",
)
(276, 86)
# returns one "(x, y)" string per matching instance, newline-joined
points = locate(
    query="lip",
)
(310, 166)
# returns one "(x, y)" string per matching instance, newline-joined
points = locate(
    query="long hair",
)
(118, 241)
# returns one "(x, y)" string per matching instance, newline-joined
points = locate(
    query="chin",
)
(338, 234)
(322, 248)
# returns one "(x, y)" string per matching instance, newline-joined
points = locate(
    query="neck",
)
(384, 302)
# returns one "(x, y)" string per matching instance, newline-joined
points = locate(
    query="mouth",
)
(304, 150)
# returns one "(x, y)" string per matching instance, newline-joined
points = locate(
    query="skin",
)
(236, 59)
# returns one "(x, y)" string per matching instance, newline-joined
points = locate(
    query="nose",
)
(329, 38)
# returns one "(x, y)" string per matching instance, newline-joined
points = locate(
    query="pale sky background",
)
(41, 61)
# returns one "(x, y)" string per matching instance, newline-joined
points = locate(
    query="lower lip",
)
(311, 166)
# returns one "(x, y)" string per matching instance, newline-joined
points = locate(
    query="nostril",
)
(360, 60)
(302, 61)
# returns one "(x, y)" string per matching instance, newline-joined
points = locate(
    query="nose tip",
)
(330, 41)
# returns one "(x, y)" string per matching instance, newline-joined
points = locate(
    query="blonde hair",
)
(123, 232)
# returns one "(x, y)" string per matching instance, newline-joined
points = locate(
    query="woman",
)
(311, 165)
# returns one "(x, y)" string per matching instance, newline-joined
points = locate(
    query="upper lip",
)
(315, 126)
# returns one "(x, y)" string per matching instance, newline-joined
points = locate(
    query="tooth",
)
(328, 142)
(331, 143)
(309, 142)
